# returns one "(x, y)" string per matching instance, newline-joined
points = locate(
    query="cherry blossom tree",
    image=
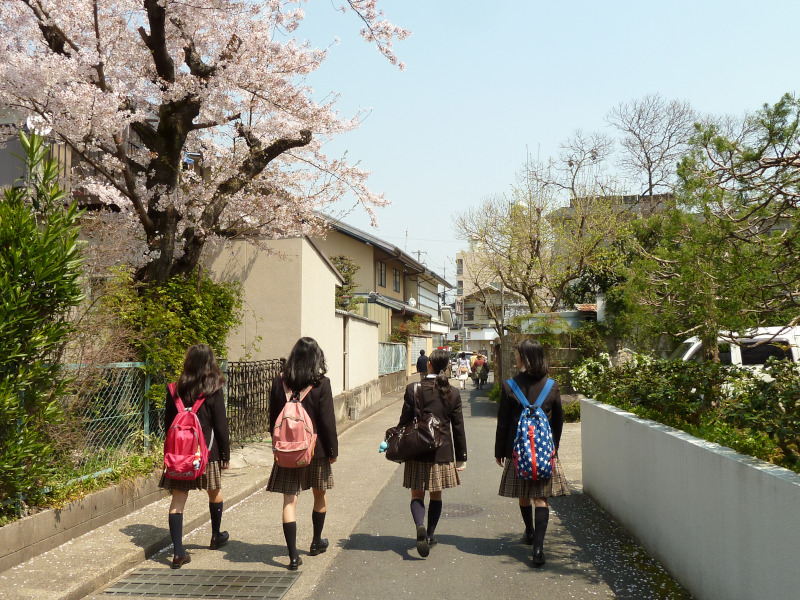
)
(138, 89)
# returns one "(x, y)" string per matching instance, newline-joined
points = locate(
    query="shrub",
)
(572, 412)
(756, 414)
(40, 266)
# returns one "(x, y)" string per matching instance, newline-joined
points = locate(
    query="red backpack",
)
(294, 439)
(185, 451)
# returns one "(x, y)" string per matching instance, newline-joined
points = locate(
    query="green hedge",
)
(754, 413)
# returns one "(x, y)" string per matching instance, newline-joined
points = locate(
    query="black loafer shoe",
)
(422, 541)
(219, 541)
(432, 541)
(179, 561)
(294, 563)
(538, 557)
(528, 538)
(318, 547)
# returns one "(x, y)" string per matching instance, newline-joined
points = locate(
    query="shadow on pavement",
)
(622, 563)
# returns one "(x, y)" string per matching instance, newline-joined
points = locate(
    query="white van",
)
(751, 349)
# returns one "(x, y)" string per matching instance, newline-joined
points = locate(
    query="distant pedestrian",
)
(422, 365)
(462, 370)
(305, 367)
(201, 376)
(531, 380)
(481, 370)
(439, 469)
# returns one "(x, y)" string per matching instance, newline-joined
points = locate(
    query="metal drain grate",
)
(455, 511)
(204, 583)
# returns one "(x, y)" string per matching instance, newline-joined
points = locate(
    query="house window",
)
(382, 275)
(469, 314)
(396, 280)
(459, 288)
(459, 266)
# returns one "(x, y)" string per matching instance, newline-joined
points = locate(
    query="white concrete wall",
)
(318, 313)
(361, 338)
(726, 526)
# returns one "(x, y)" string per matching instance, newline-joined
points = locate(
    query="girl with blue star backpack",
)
(531, 481)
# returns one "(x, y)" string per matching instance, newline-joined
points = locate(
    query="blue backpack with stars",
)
(534, 449)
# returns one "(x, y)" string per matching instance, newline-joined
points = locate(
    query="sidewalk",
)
(592, 557)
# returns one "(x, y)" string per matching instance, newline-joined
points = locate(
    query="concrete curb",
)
(81, 566)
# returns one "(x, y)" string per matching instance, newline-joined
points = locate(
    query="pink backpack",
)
(185, 451)
(294, 439)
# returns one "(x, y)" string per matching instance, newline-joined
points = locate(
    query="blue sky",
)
(487, 82)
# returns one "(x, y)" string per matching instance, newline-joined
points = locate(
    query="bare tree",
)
(535, 241)
(655, 135)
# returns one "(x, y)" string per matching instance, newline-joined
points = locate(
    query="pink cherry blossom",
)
(136, 88)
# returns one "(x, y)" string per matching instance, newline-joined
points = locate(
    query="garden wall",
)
(725, 525)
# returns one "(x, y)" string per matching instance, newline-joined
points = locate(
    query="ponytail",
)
(440, 361)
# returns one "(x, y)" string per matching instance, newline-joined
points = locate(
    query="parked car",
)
(751, 349)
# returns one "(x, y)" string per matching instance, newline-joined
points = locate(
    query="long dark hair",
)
(534, 362)
(440, 362)
(201, 374)
(305, 365)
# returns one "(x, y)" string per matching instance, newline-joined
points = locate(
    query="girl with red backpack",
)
(201, 378)
(303, 380)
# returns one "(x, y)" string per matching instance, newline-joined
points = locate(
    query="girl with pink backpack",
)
(200, 383)
(296, 468)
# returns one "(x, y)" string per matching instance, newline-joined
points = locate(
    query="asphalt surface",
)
(372, 550)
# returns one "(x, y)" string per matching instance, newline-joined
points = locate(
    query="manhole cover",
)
(455, 511)
(204, 583)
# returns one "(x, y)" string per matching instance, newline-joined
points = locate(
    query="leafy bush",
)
(40, 266)
(572, 412)
(167, 319)
(494, 393)
(769, 406)
(755, 414)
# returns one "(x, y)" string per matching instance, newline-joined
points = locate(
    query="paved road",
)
(480, 553)
(373, 552)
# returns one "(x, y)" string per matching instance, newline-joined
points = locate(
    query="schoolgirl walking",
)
(201, 379)
(303, 379)
(438, 469)
(531, 382)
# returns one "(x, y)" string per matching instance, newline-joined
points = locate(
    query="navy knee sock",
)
(418, 511)
(176, 533)
(290, 535)
(541, 517)
(215, 508)
(318, 521)
(434, 512)
(527, 517)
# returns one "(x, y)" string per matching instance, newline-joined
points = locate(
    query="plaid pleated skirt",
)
(318, 475)
(430, 476)
(210, 480)
(512, 486)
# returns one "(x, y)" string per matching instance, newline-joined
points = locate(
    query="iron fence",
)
(117, 412)
(392, 357)
(249, 385)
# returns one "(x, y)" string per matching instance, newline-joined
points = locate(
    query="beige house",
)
(289, 293)
(396, 287)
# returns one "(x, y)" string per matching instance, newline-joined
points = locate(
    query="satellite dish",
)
(411, 302)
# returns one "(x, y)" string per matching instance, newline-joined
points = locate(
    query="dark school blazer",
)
(455, 439)
(510, 409)
(319, 406)
(211, 416)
